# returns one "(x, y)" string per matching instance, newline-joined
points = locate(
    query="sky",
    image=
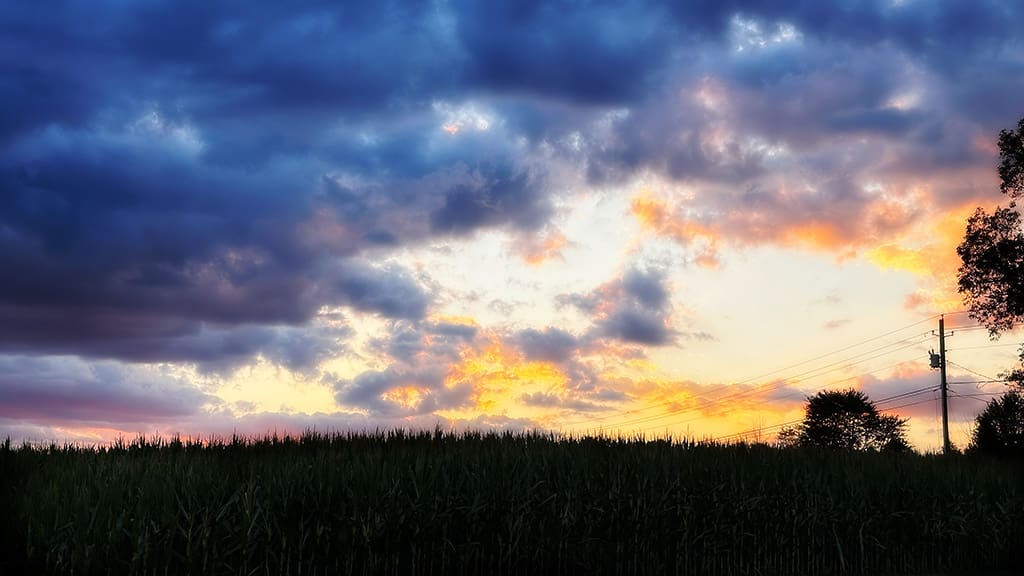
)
(623, 217)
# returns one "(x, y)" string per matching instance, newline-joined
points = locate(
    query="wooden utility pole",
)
(942, 375)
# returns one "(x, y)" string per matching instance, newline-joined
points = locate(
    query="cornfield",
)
(487, 503)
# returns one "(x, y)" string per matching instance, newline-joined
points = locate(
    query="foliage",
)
(847, 420)
(991, 274)
(402, 503)
(1011, 160)
(999, 429)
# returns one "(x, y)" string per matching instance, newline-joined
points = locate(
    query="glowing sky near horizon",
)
(574, 216)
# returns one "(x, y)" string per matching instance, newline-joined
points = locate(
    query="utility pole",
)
(942, 375)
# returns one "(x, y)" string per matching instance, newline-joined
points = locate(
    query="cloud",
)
(838, 218)
(399, 392)
(836, 323)
(64, 390)
(633, 309)
(422, 344)
(152, 203)
(497, 199)
(637, 325)
(212, 347)
(647, 287)
(548, 345)
(539, 249)
(607, 53)
(390, 291)
(547, 400)
(111, 238)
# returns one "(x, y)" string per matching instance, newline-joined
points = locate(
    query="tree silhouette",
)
(999, 429)
(991, 274)
(846, 420)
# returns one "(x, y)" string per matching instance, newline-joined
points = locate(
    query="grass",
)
(443, 503)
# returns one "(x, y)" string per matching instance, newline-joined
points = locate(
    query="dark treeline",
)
(443, 503)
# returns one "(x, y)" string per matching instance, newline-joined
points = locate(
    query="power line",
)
(1002, 345)
(807, 375)
(819, 371)
(770, 373)
(969, 328)
(840, 363)
(742, 394)
(759, 430)
(843, 349)
(980, 382)
(969, 370)
(882, 401)
(751, 392)
(908, 404)
(978, 394)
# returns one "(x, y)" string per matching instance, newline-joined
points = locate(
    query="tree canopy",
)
(991, 275)
(846, 420)
(999, 429)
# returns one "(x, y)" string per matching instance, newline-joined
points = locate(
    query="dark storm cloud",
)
(213, 348)
(118, 237)
(165, 171)
(505, 198)
(176, 175)
(604, 52)
(391, 291)
(61, 389)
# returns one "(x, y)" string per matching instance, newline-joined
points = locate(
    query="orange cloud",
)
(405, 396)
(934, 260)
(458, 320)
(783, 218)
(652, 212)
(691, 409)
(547, 247)
(894, 228)
(500, 376)
(654, 216)
(822, 236)
(897, 257)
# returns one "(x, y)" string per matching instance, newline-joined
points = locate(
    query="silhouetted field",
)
(441, 503)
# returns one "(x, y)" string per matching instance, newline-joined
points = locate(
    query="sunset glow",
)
(633, 219)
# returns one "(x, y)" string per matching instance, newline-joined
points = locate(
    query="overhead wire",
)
(976, 373)
(602, 419)
(751, 392)
(898, 396)
(805, 375)
(981, 347)
(882, 401)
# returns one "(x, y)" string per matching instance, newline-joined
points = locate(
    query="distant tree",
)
(991, 274)
(846, 420)
(999, 429)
